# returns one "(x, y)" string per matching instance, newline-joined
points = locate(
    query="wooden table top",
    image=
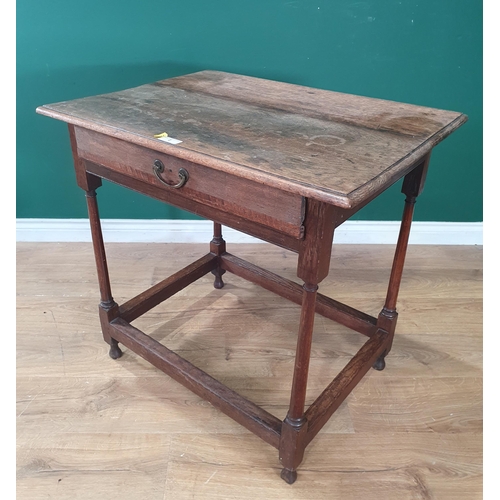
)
(330, 146)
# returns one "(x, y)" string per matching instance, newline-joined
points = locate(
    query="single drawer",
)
(244, 198)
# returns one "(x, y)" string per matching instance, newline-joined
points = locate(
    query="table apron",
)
(270, 207)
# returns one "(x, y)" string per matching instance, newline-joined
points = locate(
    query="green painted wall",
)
(424, 52)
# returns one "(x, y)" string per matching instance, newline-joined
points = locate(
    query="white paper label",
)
(170, 140)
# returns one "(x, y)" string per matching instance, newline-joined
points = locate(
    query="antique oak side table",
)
(284, 163)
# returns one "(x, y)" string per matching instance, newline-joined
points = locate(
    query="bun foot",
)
(218, 283)
(380, 363)
(114, 351)
(289, 476)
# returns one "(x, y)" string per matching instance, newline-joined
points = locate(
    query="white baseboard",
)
(200, 231)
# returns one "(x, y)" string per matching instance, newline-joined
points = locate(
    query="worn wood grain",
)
(413, 431)
(325, 145)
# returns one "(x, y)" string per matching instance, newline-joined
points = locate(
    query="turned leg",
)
(313, 266)
(412, 186)
(294, 427)
(387, 318)
(108, 308)
(218, 247)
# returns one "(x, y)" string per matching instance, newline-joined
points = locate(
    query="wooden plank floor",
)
(89, 427)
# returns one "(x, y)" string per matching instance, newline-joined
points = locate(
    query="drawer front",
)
(225, 192)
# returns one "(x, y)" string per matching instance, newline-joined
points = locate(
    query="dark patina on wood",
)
(285, 163)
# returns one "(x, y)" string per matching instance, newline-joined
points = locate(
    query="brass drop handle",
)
(159, 168)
